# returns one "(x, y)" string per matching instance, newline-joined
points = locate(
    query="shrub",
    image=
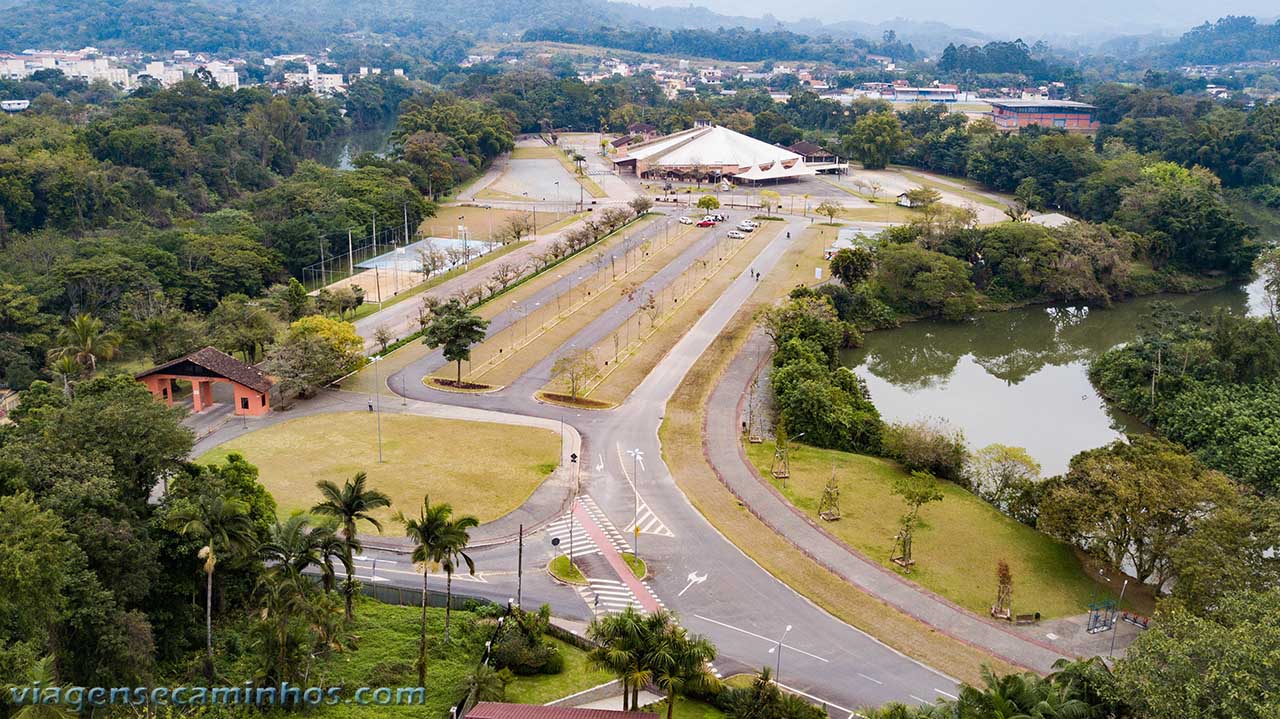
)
(928, 445)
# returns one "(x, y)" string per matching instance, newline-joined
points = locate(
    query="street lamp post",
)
(377, 399)
(777, 668)
(637, 455)
(1111, 652)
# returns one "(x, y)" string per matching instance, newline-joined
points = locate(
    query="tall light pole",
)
(777, 668)
(637, 455)
(1111, 652)
(377, 399)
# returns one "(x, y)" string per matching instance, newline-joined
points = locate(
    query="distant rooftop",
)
(1041, 103)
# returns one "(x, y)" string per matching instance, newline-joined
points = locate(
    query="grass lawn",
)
(956, 189)
(384, 656)
(565, 572)
(957, 546)
(637, 566)
(686, 709)
(385, 652)
(685, 414)
(577, 676)
(483, 469)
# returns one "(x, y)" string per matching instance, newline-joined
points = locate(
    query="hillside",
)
(139, 24)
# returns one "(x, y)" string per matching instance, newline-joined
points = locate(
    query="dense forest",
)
(1229, 39)
(155, 25)
(732, 44)
(160, 215)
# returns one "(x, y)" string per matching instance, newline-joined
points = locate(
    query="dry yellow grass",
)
(688, 465)
(622, 378)
(483, 469)
(482, 222)
(507, 355)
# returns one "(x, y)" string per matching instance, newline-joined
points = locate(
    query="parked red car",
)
(706, 223)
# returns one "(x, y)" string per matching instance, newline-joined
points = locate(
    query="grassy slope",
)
(482, 469)
(957, 546)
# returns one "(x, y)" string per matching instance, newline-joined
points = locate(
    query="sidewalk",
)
(723, 445)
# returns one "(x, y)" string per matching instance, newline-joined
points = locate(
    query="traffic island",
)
(638, 566)
(465, 387)
(565, 400)
(561, 570)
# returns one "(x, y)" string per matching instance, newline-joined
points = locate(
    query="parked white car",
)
(686, 220)
(746, 227)
(735, 235)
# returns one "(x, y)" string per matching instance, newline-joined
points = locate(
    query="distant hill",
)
(1230, 39)
(140, 24)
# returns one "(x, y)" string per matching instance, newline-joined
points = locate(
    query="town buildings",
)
(1062, 114)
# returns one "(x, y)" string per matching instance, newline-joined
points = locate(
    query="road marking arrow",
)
(693, 579)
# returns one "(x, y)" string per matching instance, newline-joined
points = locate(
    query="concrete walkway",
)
(723, 443)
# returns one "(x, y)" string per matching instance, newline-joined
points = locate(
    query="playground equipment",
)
(1102, 616)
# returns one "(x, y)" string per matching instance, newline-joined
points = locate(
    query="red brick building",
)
(1063, 114)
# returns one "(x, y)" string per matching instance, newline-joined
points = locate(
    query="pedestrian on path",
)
(370, 405)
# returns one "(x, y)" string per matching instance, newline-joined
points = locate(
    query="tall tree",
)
(455, 329)
(433, 532)
(679, 662)
(224, 527)
(87, 340)
(351, 504)
(452, 556)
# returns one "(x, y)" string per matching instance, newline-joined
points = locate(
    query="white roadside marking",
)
(870, 679)
(946, 694)
(767, 639)
(820, 700)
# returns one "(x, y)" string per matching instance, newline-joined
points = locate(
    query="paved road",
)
(742, 608)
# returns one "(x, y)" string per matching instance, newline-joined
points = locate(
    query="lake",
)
(1019, 377)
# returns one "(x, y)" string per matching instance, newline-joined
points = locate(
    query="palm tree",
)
(224, 527)
(487, 685)
(453, 555)
(433, 532)
(333, 550)
(66, 369)
(620, 648)
(293, 545)
(679, 663)
(87, 340)
(42, 673)
(349, 505)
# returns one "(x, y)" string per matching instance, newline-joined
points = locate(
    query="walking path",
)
(723, 444)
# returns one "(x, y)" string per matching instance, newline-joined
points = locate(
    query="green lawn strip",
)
(369, 308)
(489, 193)
(577, 676)
(636, 564)
(561, 569)
(957, 545)
(483, 469)
(685, 709)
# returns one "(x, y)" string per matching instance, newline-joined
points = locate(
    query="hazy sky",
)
(1034, 17)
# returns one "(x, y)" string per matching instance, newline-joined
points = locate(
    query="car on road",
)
(686, 220)
(735, 235)
(719, 217)
(746, 227)
(707, 223)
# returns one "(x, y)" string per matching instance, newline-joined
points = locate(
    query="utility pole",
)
(374, 233)
(351, 262)
(636, 455)
(520, 566)
(377, 403)
(406, 223)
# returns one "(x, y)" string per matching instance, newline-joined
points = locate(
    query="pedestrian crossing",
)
(609, 596)
(601, 520)
(577, 541)
(648, 523)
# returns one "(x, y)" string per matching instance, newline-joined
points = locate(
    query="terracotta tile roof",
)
(499, 710)
(808, 149)
(219, 363)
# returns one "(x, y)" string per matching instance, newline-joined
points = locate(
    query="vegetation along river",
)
(1019, 377)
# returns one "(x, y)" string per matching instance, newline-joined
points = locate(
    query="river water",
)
(1020, 377)
(339, 152)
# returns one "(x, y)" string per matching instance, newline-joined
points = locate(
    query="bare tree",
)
(574, 370)
(431, 258)
(504, 274)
